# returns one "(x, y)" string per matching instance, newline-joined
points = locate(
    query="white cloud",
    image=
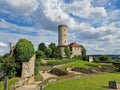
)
(104, 37)
(84, 8)
(23, 7)
(112, 16)
(3, 44)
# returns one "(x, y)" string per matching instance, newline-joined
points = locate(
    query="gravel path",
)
(46, 75)
(28, 87)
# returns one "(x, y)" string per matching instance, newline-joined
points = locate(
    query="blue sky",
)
(92, 23)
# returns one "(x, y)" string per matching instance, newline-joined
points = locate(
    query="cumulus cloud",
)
(84, 8)
(50, 10)
(23, 7)
(3, 44)
(88, 23)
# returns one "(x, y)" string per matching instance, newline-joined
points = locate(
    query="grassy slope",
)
(11, 82)
(58, 61)
(88, 83)
(81, 63)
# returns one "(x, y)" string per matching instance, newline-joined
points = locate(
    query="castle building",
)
(75, 49)
(63, 42)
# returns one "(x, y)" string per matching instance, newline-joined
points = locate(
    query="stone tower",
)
(62, 39)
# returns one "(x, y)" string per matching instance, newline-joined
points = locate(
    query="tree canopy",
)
(84, 56)
(40, 54)
(24, 50)
(67, 52)
(105, 58)
(42, 46)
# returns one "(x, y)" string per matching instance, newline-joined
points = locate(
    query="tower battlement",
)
(62, 25)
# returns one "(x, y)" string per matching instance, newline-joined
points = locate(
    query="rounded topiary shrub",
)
(24, 50)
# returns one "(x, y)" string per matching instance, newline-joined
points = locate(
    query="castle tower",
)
(62, 39)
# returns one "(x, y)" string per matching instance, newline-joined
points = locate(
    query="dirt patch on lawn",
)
(58, 72)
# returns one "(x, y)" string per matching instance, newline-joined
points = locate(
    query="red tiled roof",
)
(74, 44)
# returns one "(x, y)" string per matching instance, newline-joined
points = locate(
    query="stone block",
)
(113, 84)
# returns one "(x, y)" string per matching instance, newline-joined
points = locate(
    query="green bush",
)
(105, 58)
(67, 52)
(10, 67)
(24, 50)
(40, 54)
(6, 55)
(48, 52)
(37, 66)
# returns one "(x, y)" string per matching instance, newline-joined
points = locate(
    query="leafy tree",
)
(24, 50)
(1, 59)
(78, 57)
(56, 53)
(40, 54)
(48, 52)
(96, 59)
(52, 46)
(11, 67)
(84, 56)
(42, 46)
(104, 58)
(67, 52)
(6, 55)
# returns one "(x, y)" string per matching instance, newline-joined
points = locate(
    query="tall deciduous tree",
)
(52, 46)
(48, 52)
(42, 46)
(55, 51)
(67, 52)
(84, 56)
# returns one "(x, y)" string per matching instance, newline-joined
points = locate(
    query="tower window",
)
(65, 41)
(65, 35)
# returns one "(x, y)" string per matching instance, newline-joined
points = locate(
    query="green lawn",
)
(58, 62)
(87, 83)
(11, 82)
(81, 63)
